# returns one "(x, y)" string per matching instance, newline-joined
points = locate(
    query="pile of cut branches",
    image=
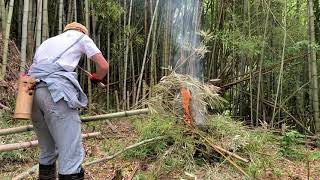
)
(185, 145)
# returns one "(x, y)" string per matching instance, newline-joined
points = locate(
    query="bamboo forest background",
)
(262, 53)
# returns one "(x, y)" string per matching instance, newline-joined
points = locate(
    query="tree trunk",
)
(313, 67)
(108, 58)
(45, 28)
(88, 60)
(60, 16)
(69, 15)
(166, 41)
(282, 64)
(30, 43)
(126, 58)
(75, 10)
(19, 18)
(39, 23)
(153, 68)
(6, 41)
(260, 78)
(24, 36)
(3, 17)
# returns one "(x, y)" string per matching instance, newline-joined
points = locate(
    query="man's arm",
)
(101, 64)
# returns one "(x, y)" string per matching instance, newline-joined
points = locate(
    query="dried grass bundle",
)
(166, 98)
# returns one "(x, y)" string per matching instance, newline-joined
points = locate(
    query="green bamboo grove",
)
(262, 53)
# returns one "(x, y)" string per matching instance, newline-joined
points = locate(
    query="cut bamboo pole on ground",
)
(16, 146)
(16, 130)
(83, 119)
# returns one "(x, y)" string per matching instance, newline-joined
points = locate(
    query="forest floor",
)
(15, 162)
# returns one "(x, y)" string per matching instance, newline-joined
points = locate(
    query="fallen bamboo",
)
(16, 130)
(83, 119)
(115, 115)
(15, 146)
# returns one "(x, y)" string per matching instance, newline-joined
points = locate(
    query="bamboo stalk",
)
(3, 17)
(16, 146)
(6, 41)
(146, 52)
(126, 54)
(280, 80)
(106, 158)
(45, 23)
(84, 119)
(24, 35)
(75, 10)
(60, 16)
(39, 23)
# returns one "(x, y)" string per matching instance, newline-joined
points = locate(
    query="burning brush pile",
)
(193, 138)
(185, 98)
(8, 86)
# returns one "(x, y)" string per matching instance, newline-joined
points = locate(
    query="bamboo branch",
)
(221, 150)
(15, 146)
(24, 174)
(84, 119)
(5, 107)
(134, 172)
(107, 158)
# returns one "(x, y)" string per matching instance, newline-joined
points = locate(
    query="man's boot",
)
(77, 176)
(47, 172)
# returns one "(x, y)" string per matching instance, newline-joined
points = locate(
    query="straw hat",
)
(76, 26)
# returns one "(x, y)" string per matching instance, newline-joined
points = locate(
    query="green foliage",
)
(228, 133)
(240, 43)
(314, 156)
(287, 143)
(107, 9)
(260, 145)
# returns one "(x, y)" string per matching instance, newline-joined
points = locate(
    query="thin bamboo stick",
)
(106, 158)
(84, 119)
(115, 115)
(16, 146)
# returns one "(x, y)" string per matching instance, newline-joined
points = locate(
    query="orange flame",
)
(186, 96)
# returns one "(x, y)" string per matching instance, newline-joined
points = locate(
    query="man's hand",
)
(94, 78)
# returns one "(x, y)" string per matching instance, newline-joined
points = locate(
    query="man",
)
(57, 96)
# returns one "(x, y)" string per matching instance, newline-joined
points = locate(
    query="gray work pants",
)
(58, 130)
